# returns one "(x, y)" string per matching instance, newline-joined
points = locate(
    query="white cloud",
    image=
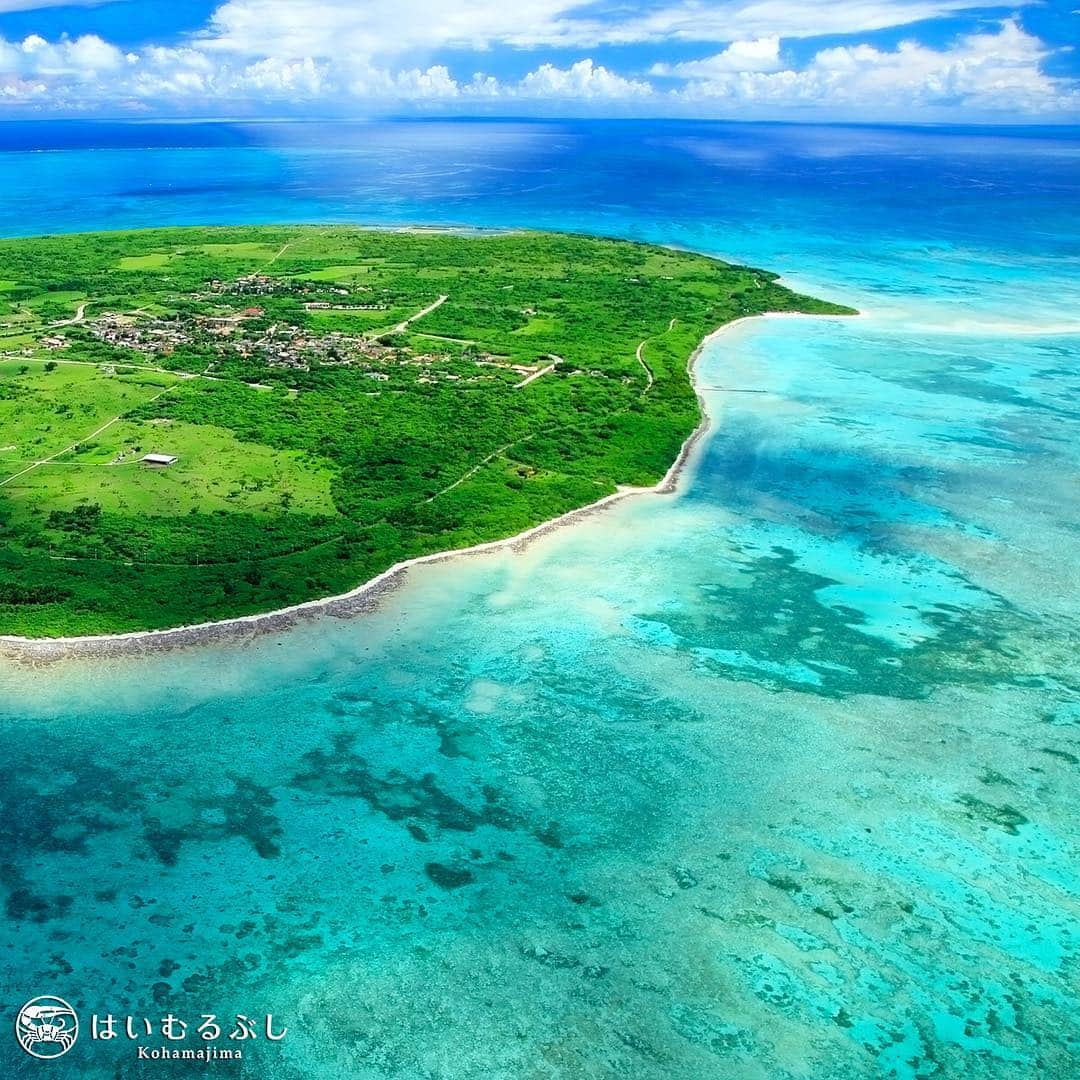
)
(998, 71)
(387, 28)
(760, 54)
(433, 84)
(196, 76)
(375, 28)
(91, 54)
(9, 57)
(581, 81)
(82, 58)
(695, 20)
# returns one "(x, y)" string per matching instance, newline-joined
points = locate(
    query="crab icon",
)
(47, 1027)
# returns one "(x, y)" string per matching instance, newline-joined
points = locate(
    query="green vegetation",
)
(337, 400)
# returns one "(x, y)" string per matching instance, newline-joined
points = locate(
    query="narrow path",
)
(88, 464)
(288, 244)
(535, 375)
(476, 468)
(182, 375)
(277, 254)
(404, 325)
(85, 438)
(648, 370)
(80, 314)
(641, 359)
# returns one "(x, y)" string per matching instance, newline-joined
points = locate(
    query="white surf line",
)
(535, 375)
(403, 326)
(29, 647)
(313, 606)
(79, 442)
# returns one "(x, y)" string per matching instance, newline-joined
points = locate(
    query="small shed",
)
(161, 460)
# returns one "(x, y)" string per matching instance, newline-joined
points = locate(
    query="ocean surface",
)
(776, 777)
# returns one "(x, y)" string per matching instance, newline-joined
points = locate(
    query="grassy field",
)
(337, 400)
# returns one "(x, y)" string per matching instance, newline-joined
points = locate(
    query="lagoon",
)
(772, 777)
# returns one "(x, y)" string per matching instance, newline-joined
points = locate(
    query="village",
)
(278, 344)
(222, 331)
(264, 285)
(245, 332)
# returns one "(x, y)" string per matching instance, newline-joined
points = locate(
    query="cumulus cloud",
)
(189, 74)
(998, 71)
(993, 71)
(760, 54)
(82, 58)
(583, 80)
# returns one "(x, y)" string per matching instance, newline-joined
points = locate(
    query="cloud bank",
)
(262, 55)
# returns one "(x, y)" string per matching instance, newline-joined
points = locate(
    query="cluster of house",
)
(280, 344)
(293, 347)
(325, 305)
(290, 346)
(254, 285)
(161, 336)
(263, 285)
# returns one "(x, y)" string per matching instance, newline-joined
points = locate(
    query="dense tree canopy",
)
(338, 400)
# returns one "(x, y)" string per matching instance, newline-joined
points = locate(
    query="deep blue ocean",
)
(775, 777)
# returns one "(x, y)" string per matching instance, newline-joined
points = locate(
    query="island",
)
(199, 424)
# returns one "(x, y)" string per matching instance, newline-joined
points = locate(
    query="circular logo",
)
(47, 1027)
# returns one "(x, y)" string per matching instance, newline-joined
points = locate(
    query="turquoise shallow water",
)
(775, 777)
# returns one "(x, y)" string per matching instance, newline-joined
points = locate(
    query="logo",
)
(47, 1027)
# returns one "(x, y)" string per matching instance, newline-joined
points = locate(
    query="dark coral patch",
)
(448, 877)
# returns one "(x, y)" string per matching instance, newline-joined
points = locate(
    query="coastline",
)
(365, 597)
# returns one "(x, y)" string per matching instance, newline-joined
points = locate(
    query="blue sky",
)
(908, 60)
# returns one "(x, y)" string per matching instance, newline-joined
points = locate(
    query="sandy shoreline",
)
(365, 597)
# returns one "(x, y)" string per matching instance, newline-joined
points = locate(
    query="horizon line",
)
(534, 118)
